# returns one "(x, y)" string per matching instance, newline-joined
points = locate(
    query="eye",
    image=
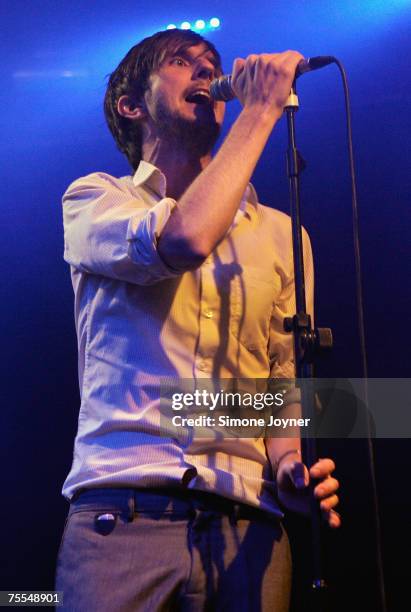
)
(178, 61)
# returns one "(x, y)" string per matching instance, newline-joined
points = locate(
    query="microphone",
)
(220, 89)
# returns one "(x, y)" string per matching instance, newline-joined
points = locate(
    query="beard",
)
(197, 136)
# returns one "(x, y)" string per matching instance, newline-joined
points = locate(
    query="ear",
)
(129, 108)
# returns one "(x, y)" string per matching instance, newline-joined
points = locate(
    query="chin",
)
(200, 114)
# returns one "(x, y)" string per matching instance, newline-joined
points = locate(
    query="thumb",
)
(299, 475)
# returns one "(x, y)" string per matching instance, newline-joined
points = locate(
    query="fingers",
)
(294, 475)
(329, 503)
(322, 468)
(333, 518)
(238, 67)
(242, 73)
(327, 506)
(327, 487)
(265, 79)
(326, 490)
(282, 64)
(273, 68)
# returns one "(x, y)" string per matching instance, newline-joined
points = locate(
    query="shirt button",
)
(202, 365)
(209, 314)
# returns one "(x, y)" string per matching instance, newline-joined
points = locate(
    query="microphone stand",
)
(307, 343)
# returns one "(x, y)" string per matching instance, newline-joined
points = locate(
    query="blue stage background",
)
(55, 56)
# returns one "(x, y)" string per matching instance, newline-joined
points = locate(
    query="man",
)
(179, 273)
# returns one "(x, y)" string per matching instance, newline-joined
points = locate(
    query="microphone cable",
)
(361, 326)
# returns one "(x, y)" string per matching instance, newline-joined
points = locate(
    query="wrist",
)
(261, 115)
(293, 454)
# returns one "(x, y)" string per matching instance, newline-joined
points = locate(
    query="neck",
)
(179, 166)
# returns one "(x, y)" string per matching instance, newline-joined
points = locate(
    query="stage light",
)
(199, 25)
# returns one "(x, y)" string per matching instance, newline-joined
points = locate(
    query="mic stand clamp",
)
(311, 342)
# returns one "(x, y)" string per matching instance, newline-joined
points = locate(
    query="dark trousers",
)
(128, 550)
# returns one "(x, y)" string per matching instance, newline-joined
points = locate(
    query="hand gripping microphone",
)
(220, 89)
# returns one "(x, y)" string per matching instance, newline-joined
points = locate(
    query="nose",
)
(204, 70)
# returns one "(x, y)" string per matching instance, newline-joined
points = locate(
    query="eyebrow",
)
(183, 52)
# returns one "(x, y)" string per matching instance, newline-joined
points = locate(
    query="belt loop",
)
(234, 514)
(131, 505)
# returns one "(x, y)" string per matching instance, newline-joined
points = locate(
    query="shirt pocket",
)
(253, 293)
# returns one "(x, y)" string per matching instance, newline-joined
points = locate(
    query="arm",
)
(206, 210)
(110, 232)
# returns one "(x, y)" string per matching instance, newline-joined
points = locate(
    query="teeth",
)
(199, 97)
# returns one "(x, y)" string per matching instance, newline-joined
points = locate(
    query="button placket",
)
(208, 333)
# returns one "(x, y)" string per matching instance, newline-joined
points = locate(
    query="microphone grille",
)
(220, 89)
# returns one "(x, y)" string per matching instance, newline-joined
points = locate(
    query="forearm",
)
(206, 210)
(277, 447)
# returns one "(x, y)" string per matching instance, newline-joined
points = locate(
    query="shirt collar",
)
(147, 174)
(151, 176)
(249, 201)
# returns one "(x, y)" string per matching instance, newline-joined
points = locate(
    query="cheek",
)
(149, 100)
(162, 96)
(156, 102)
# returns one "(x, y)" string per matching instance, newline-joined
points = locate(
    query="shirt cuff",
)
(143, 234)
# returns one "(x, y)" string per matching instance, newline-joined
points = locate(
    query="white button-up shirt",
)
(137, 321)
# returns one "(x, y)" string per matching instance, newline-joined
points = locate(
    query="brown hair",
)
(131, 78)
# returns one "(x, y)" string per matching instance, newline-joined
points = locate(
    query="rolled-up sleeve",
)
(281, 348)
(109, 232)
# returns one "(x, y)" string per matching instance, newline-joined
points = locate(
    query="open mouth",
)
(200, 96)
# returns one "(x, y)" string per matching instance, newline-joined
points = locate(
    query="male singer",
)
(179, 272)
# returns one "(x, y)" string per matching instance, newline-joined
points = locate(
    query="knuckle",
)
(286, 71)
(293, 53)
(273, 60)
(329, 503)
(238, 69)
(327, 463)
(237, 64)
